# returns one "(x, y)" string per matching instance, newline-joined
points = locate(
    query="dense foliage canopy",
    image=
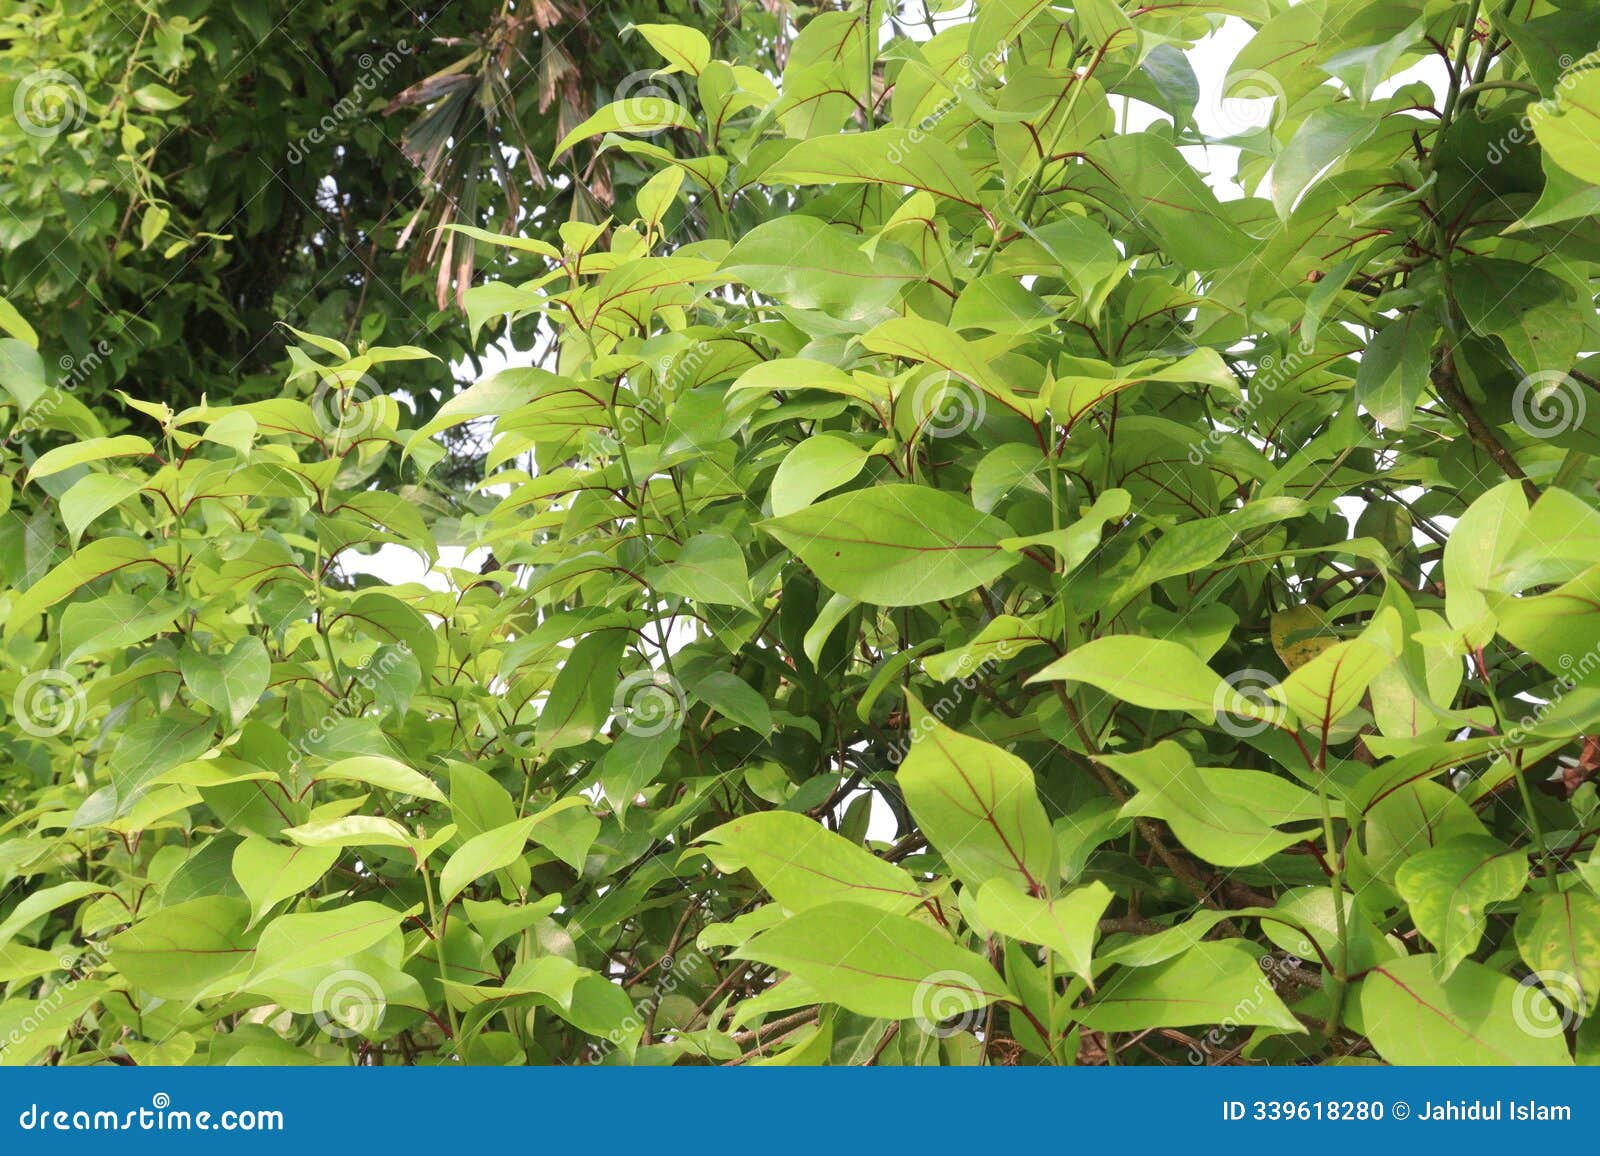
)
(1001, 553)
(178, 176)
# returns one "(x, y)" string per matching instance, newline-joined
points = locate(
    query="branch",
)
(1482, 434)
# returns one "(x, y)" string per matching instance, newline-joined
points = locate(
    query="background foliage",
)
(179, 176)
(948, 587)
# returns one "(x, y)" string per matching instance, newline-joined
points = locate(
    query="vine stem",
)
(1335, 858)
(438, 947)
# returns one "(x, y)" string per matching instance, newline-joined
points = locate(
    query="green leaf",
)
(1067, 925)
(230, 683)
(686, 49)
(1570, 133)
(709, 568)
(179, 952)
(381, 771)
(96, 560)
(877, 964)
(13, 323)
(351, 831)
(1528, 308)
(815, 466)
(106, 625)
(22, 372)
(1394, 370)
(977, 805)
(296, 942)
(269, 872)
(1325, 134)
(891, 156)
(1227, 833)
(493, 850)
(147, 749)
(731, 696)
(1075, 394)
(643, 115)
(1476, 1017)
(157, 98)
(896, 545)
(1167, 196)
(1149, 672)
(1332, 684)
(931, 343)
(837, 276)
(1559, 938)
(497, 394)
(93, 450)
(44, 901)
(581, 698)
(802, 864)
(92, 495)
(1210, 983)
(1448, 886)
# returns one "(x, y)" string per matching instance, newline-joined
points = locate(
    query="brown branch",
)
(1448, 386)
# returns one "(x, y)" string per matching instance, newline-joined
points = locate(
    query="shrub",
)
(993, 601)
